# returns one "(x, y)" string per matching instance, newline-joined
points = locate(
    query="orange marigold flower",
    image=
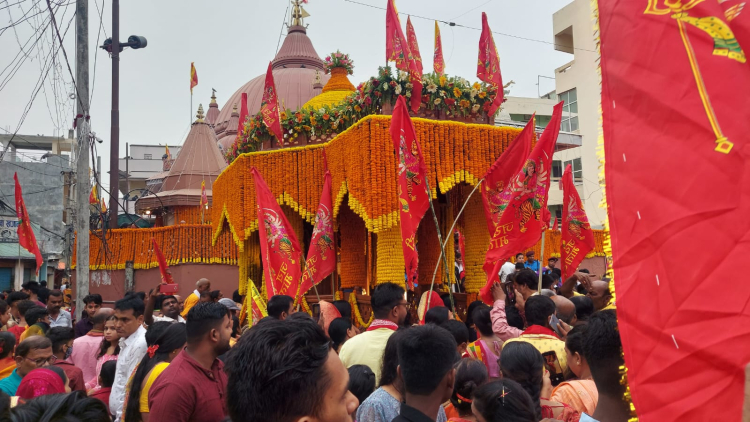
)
(456, 92)
(482, 94)
(326, 116)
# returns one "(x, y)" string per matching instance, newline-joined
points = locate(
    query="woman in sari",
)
(7, 345)
(40, 382)
(487, 348)
(580, 393)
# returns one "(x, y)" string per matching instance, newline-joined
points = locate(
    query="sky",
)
(231, 42)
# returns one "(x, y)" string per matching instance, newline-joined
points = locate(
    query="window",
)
(570, 111)
(577, 169)
(556, 211)
(146, 156)
(557, 169)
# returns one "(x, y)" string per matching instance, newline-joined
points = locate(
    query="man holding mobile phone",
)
(540, 314)
(170, 308)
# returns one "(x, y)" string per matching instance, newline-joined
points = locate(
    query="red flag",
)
(397, 49)
(497, 178)
(166, 276)
(243, 115)
(413, 199)
(673, 74)
(523, 219)
(193, 77)
(411, 38)
(279, 246)
(26, 236)
(488, 65)
(269, 107)
(577, 236)
(93, 199)
(321, 257)
(438, 64)
(556, 226)
(204, 197)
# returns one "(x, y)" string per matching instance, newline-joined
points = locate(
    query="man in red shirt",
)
(287, 370)
(62, 345)
(193, 387)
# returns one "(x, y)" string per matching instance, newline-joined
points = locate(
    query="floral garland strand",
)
(306, 306)
(357, 315)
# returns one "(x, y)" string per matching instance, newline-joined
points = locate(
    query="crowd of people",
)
(532, 355)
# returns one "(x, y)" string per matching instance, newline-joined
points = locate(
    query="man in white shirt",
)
(506, 269)
(129, 325)
(58, 317)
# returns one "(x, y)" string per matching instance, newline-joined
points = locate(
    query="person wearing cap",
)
(170, 308)
(233, 310)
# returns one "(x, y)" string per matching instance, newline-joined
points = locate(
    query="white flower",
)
(291, 130)
(437, 101)
(385, 87)
(432, 88)
(408, 94)
(473, 93)
(442, 93)
(398, 90)
(402, 75)
(475, 108)
(409, 86)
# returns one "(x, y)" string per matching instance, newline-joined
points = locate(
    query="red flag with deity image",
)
(577, 236)
(497, 178)
(438, 64)
(166, 276)
(525, 216)
(321, 257)
(411, 38)
(269, 107)
(280, 249)
(26, 237)
(412, 190)
(397, 49)
(488, 65)
(676, 73)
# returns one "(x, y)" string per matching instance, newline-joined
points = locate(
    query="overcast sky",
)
(231, 42)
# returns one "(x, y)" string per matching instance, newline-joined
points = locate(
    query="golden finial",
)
(298, 14)
(234, 108)
(213, 96)
(199, 116)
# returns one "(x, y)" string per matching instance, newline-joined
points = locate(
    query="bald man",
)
(601, 295)
(202, 285)
(86, 348)
(566, 310)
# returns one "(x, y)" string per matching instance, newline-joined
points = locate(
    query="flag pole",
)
(442, 251)
(447, 236)
(541, 255)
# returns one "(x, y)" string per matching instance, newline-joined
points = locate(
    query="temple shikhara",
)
(316, 116)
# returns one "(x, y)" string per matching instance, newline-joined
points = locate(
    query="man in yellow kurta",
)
(203, 285)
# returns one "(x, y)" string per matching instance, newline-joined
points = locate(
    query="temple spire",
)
(298, 14)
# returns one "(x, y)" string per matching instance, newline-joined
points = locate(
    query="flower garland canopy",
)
(452, 96)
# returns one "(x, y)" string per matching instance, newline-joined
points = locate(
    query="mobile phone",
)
(169, 289)
(316, 311)
(553, 322)
(509, 292)
(552, 363)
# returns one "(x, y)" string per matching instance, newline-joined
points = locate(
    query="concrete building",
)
(142, 162)
(577, 83)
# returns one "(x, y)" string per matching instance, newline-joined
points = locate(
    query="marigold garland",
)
(390, 256)
(357, 314)
(191, 215)
(353, 237)
(477, 242)
(182, 244)
(306, 306)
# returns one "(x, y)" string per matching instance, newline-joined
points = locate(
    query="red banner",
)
(411, 38)
(166, 276)
(497, 178)
(280, 249)
(577, 236)
(525, 215)
(412, 189)
(321, 257)
(675, 75)
(243, 113)
(438, 64)
(93, 198)
(193, 77)
(269, 107)
(488, 65)
(26, 236)
(397, 50)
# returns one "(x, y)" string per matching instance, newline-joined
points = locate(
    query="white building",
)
(577, 83)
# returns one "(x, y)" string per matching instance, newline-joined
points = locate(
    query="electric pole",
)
(82, 154)
(114, 149)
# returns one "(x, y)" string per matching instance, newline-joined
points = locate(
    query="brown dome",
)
(294, 69)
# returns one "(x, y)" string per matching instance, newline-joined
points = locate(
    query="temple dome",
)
(294, 71)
